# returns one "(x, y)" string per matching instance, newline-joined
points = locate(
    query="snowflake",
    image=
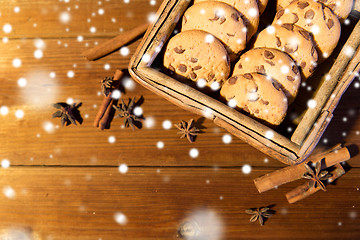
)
(123, 168)
(269, 134)
(64, 17)
(227, 138)
(22, 82)
(38, 54)
(124, 51)
(246, 169)
(209, 38)
(5, 163)
(111, 139)
(160, 144)
(194, 152)
(120, 218)
(16, 62)
(7, 28)
(4, 110)
(311, 103)
(19, 114)
(166, 124)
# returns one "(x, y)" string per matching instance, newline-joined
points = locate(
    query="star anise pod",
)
(315, 175)
(106, 85)
(126, 112)
(259, 214)
(66, 112)
(186, 129)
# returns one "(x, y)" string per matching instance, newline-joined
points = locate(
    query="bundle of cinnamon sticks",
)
(103, 116)
(331, 158)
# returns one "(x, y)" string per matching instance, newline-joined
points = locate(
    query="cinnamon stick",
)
(292, 173)
(114, 43)
(105, 118)
(304, 191)
(107, 102)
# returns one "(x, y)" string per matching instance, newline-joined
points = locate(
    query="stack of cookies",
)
(265, 79)
(213, 34)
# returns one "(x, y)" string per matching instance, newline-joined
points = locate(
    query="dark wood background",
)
(64, 182)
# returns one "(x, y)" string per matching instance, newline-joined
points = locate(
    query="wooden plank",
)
(80, 203)
(70, 19)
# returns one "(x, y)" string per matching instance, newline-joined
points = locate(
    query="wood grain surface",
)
(65, 182)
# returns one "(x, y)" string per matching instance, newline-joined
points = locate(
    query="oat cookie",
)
(196, 54)
(341, 8)
(258, 95)
(273, 63)
(294, 41)
(248, 10)
(219, 19)
(315, 18)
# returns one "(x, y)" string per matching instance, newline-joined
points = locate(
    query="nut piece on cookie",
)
(199, 56)
(294, 41)
(219, 19)
(273, 63)
(341, 8)
(315, 18)
(258, 95)
(248, 10)
(281, 4)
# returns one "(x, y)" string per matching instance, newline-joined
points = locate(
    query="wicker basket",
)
(329, 82)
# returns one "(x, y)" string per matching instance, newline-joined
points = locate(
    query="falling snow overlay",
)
(78, 182)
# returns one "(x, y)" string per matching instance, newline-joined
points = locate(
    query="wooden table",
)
(77, 182)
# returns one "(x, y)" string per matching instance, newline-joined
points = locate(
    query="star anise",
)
(259, 214)
(186, 129)
(126, 112)
(315, 175)
(106, 85)
(66, 112)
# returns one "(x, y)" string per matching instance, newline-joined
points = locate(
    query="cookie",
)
(258, 95)
(196, 54)
(219, 19)
(341, 8)
(292, 40)
(262, 5)
(315, 18)
(248, 10)
(273, 63)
